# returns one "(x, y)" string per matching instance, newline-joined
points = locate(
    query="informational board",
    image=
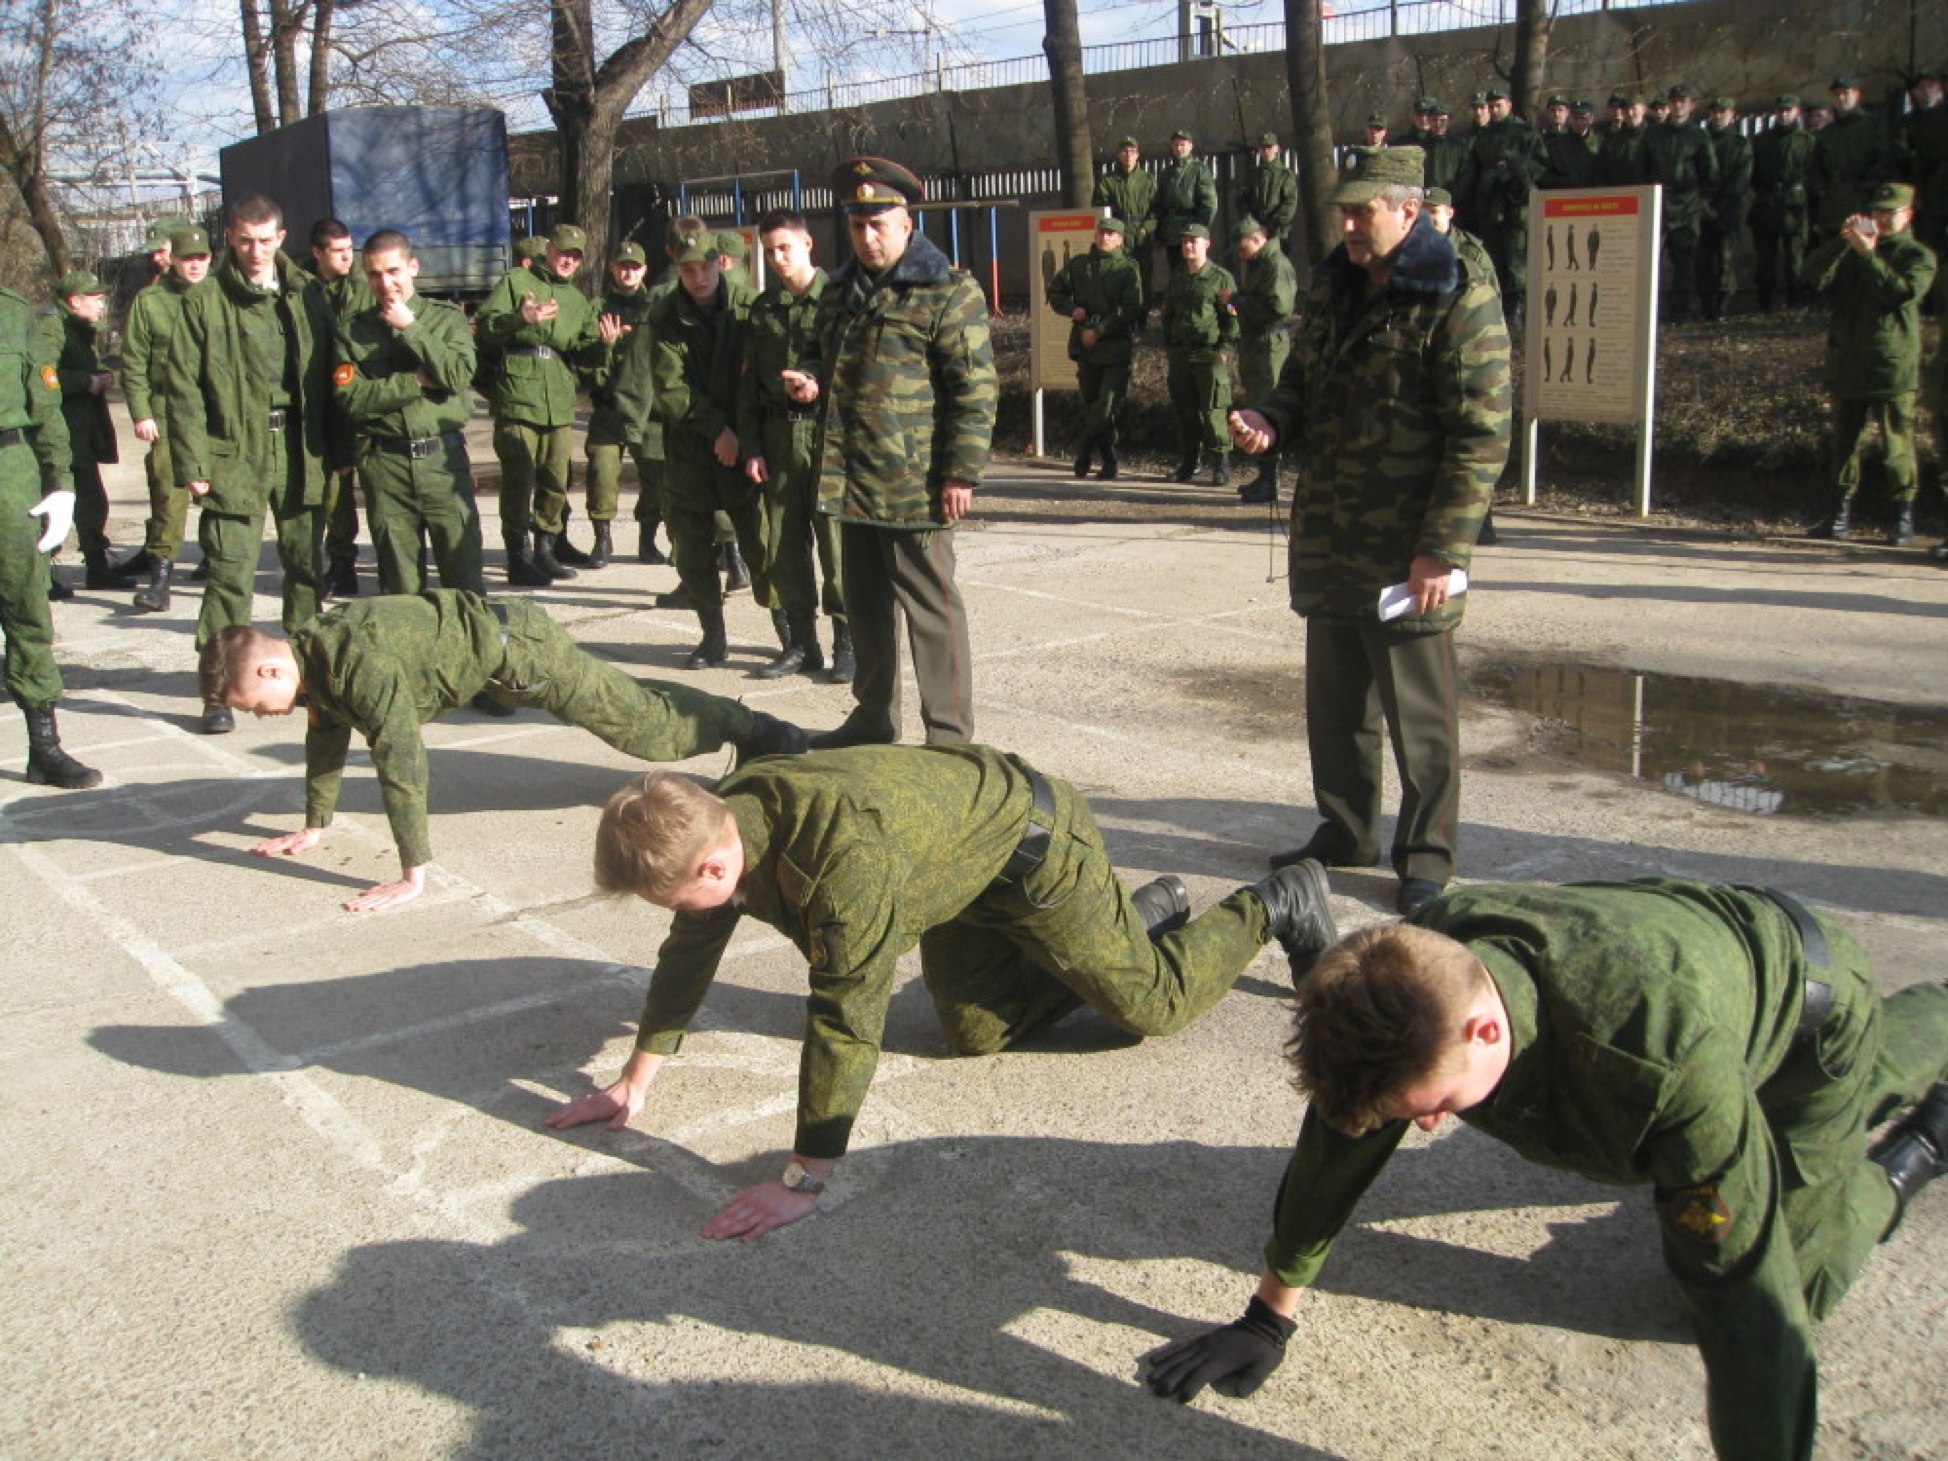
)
(1053, 239)
(1591, 337)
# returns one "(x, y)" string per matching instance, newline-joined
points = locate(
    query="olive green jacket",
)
(1186, 194)
(1507, 159)
(378, 374)
(1109, 290)
(1852, 155)
(600, 375)
(152, 322)
(692, 378)
(1449, 163)
(782, 335)
(348, 296)
(1269, 192)
(1199, 319)
(91, 431)
(1780, 156)
(1623, 158)
(1132, 197)
(30, 391)
(1873, 340)
(1268, 292)
(534, 389)
(1682, 161)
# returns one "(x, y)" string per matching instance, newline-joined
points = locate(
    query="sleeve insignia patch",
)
(345, 374)
(1700, 1213)
(50, 378)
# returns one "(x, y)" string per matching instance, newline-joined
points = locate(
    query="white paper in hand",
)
(1399, 598)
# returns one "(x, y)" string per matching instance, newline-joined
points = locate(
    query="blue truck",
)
(437, 174)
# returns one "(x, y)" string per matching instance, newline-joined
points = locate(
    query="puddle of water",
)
(1754, 748)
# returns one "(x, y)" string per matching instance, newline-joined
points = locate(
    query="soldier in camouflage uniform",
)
(1199, 323)
(1101, 297)
(1682, 161)
(1878, 274)
(996, 872)
(624, 310)
(1780, 216)
(1723, 1046)
(1396, 402)
(538, 327)
(1130, 193)
(1852, 155)
(1186, 194)
(252, 425)
(334, 264)
(779, 439)
(1450, 160)
(1724, 210)
(906, 371)
(1269, 192)
(385, 667)
(80, 300)
(152, 323)
(36, 483)
(1508, 159)
(1268, 292)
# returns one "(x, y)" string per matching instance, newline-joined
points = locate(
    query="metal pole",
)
(994, 258)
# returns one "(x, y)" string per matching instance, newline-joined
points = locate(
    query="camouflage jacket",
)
(1199, 318)
(1779, 159)
(527, 385)
(91, 431)
(152, 321)
(1269, 193)
(852, 855)
(1397, 403)
(1681, 159)
(377, 378)
(1186, 193)
(347, 296)
(1268, 292)
(1873, 342)
(1852, 155)
(30, 394)
(1622, 161)
(1644, 1018)
(906, 370)
(383, 667)
(783, 336)
(695, 356)
(1108, 289)
(1132, 197)
(219, 407)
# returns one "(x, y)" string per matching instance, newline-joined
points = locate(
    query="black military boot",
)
(770, 736)
(1839, 527)
(1221, 470)
(845, 664)
(1915, 1151)
(1488, 537)
(521, 571)
(547, 559)
(57, 587)
(138, 563)
(1902, 533)
(341, 576)
(604, 548)
(218, 720)
(1163, 903)
(1264, 487)
(737, 573)
(672, 598)
(565, 551)
(1109, 471)
(646, 549)
(47, 763)
(801, 652)
(103, 574)
(781, 626)
(1084, 458)
(1298, 913)
(1186, 467)
(714, 652)
(201, 572)
(153, 598)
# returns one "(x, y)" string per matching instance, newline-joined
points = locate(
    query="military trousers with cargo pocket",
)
(232, 543)
(535, 468)
(429, 495)
(1200, 396)
(794, 531)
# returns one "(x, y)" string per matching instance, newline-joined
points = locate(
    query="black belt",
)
(536, 352)
(279, 418)
(416, 447)
(1816, 1004)
(795, 413)
(13, 436)
(1033, 847)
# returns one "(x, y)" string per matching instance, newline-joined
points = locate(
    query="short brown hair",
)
(227, 659)
(653, 832)
(256, 210)
(1381, 1009)
(386, 241)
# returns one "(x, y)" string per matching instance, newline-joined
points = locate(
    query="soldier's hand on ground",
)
(1429, 580)
(616, 1103)
(58, 509)
(1234, 1360)
(538, 313)
(756, 470)
(801, 386)
(726, 448)
(956, 501)
(389, 895)
(757, 1210)
(147, 430)
(1252, 432)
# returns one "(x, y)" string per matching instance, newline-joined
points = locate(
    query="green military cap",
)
(629, 253)
(1245, 228)
(1376, 119)
(1619, 99)
(1926, 73)
(1556, 99)
(1196, 230)
(1268, 139)
(1129, 142)
(1497, 94)
(1682, 89)
(531, 248)
(1478, 99)
(79, 281)
(1439, 198)
(1724, 104)
(1429, 105)
(1639, 99)
(190, 243)
(1110, 223)
(697, 248)
(163, 231)
(568, 239)
(1887, 195)
(1583, 107)
(1845, 83)
(1366, 172)
(731, 243)
(1785, 99)
(874, 184)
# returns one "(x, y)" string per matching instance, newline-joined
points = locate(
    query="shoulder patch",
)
(1700, 1213)
(50, 378)
(345, 374)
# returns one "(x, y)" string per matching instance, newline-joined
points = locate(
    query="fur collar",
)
(922, 263)
(1426, 264)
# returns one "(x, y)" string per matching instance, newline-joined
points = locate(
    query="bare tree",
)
(273, 33)
(1062, 44)
(1533, 19)
(1305, 75)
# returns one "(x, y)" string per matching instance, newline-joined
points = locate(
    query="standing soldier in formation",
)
(1582, 121)
(1877, 273)
(1268, 292)
(1568, 159)
(1724, 213)
(1269, 192)
(906, 370)
(539, 327)
(1622, 159)
(146, 340)
(1101, 297)
(1467, 248)
(251, 424)
(1682, 161)
(1781, 217)
(1852, 155)
(779, 438)
(1923, 146)
(80, 299)
(35, 484)
(1450, 161)
(1507, 161)
(1127, 192)
(1186, 195)
(623, 311)
(1199, 321)
(1376, 129)
(334, 263)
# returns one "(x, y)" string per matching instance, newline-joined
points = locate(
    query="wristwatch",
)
(799, 1180)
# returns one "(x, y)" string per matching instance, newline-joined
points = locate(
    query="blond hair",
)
(653, 833)
(228, 660)
(1380, 1010)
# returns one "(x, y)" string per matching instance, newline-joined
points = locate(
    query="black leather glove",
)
(1234, 1360)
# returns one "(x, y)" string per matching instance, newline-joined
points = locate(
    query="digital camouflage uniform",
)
(1724, 221)
(348, 297)
(906, 370)
(34, 461)
(1199, 322)
(412, 445)
(1781, 217)
(1132, 197)
(612, 431)
(1186, 194)
(1269, 192)
(91, 431)
(1653, 1042)
(1682, 161)
(783, 335)
(858, 855)
(152, 322)
(532, 395)
(1106, 288)
(241, 359)
(1268, 292)
(1396, 405)
(385, 666)
(1852, 155)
